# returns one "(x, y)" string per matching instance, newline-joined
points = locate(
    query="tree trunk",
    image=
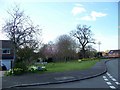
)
(83, 52)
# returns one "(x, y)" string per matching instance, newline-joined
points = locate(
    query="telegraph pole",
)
(99, 43)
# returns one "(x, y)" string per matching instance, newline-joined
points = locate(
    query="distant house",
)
(114, 53)
(6, 53)
(105, 53)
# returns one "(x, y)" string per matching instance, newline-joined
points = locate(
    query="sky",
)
(61, 17)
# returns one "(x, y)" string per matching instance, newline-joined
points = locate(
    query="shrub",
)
(9, 73)
(86, 59)
(17, 71)
(21, 65)
(79, 60)
(32, 68)
(43, 68)
(36, 68)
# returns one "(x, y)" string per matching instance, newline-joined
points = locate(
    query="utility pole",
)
(99, 43)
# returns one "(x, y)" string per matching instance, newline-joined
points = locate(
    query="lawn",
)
(71, 65)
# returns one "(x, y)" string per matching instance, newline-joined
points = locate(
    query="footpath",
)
(32, 79)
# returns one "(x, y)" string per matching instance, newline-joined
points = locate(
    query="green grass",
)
(71, 65)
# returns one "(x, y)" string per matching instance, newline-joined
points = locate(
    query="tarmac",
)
(33, 79)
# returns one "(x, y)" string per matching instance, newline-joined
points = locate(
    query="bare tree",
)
(84, 36)
(66, 47)
(20, 30)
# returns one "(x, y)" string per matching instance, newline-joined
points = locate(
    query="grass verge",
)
(71, 65)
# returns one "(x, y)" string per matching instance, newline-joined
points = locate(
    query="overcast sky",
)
(57, 18)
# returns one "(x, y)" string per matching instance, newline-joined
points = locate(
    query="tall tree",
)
(84, 36)
(20, 30)
(66, 47)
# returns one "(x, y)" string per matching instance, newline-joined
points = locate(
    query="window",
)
(6, 51)
(111, 52)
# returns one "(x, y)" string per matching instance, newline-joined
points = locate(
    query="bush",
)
(43, 68)
(86, 59)
(32, 68)
(9, 73)
(79, 60)
(15, 71)
(36, 68)
(21, 65)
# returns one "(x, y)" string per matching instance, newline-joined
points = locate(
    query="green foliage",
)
(18, 71)
(88, 59)
(32, 68)
(71, 65)
(79, 60)
(35, 68)
(9, 73)
(80, 64)
(26, 54)
(21, 65)
(15, 71)
(25, 58)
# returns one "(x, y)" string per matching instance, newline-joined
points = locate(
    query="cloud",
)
(78, 9)
(93, 16)
(78, 4)
(87, 18)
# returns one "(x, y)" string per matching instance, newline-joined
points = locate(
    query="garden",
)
(40, 68)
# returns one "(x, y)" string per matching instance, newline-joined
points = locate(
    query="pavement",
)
(33, 79)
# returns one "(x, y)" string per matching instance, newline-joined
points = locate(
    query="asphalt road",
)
(107, 80)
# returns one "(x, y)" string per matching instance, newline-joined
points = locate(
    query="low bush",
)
(9, 73)
(79, 60)
(87, 59)
(32, 68)
(15, 71)
(21, 65)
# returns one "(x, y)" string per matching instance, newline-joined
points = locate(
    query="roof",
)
(114, 51)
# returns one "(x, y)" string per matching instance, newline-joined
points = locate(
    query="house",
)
(114, 53)
(105, 53)
(6, 53)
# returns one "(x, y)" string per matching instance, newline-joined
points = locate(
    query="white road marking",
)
(114, 79)
(112, 87)
(104, 77)
(117, 83)
(111, 77)
(107, 73)
(109, 83)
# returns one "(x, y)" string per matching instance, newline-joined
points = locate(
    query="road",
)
(107, 80)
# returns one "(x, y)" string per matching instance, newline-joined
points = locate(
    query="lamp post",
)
(99, 43)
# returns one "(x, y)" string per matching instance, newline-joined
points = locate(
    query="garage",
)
(7, 63)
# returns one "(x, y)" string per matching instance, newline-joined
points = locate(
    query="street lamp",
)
(99, 43)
